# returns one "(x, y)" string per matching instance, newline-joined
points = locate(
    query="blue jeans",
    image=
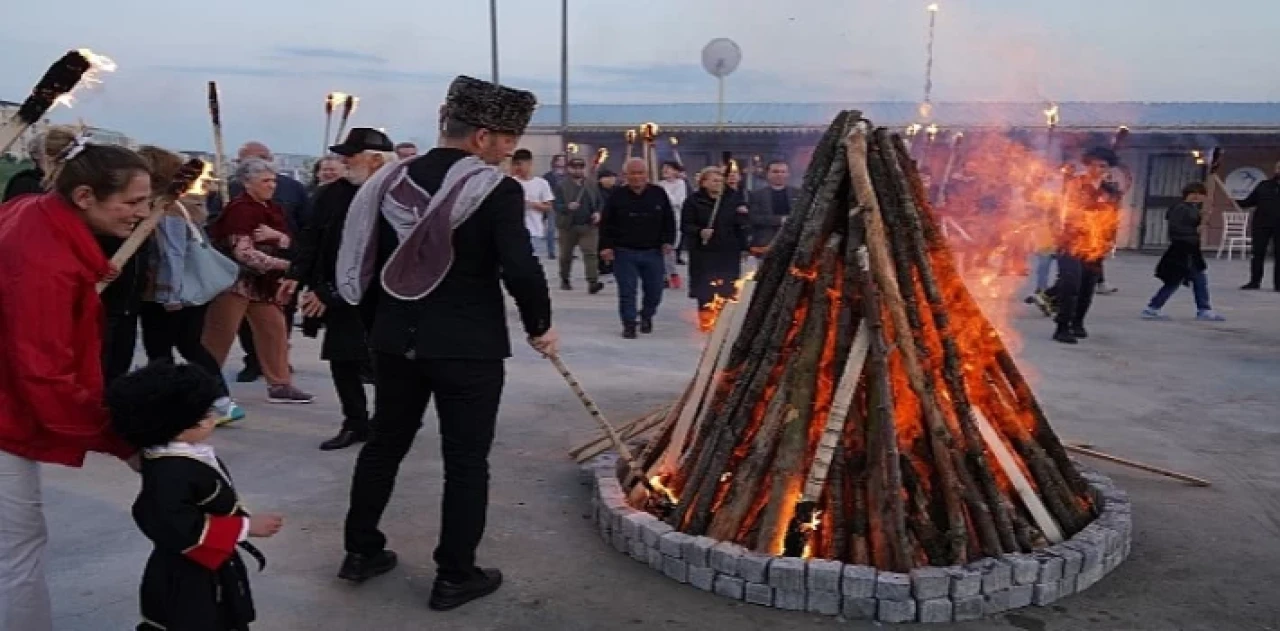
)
(1199, 286)
(1043, 263)
(643, 268)
(550, 238)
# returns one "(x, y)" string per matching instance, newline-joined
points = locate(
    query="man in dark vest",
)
(345, 345)
(429, 238)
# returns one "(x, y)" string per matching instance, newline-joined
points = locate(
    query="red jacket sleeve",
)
(39, 328)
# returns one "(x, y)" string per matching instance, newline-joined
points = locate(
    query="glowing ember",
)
(656, 483)
(202, 184)
(97, 64)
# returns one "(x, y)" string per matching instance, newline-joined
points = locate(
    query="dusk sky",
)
(276, 60)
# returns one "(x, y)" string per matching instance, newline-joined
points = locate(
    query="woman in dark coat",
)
(715, 227)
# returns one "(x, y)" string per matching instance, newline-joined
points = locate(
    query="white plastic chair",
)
(1235, 234)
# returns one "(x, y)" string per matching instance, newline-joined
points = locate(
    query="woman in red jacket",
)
(51, 326)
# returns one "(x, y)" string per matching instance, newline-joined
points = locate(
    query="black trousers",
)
(466, 394)
(118, 342)
(1077, 280)
(164, 331)
(1264, 237)
(348, 381)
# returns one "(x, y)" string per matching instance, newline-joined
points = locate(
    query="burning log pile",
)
(859, 406)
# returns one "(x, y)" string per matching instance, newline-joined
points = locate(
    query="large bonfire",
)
(856, 404)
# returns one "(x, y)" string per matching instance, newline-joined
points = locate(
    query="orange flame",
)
(202, 184)
(97, 64)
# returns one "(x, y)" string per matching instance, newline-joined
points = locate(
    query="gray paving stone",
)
(652, 532)
(965, 582)
(672, 544)
(759, 594)
(824, 576)
(621, 543)
(997, 602)
(893, 586)
(639, 551)
(632, 523)
(1026, 569)
(697, 552)
(929, 583)
(859, 581)
(789, 599)
(935, 610)
(787, 573)
(724, 557)
(703, 578)
(1067, 586)
(1045, 594)
(1050, 569)
(858, 608)
(729, 586)
(825, 603)
(656, 559)
(754, 567)
(1072, 560)
(675, 569)
(1020, 596)
(968, 608)
(1088, 578)
(896, 610)
(996, 576)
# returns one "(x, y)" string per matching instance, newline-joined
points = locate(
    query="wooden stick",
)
(629, 430)
(1030, 499)
(182, 180)
(834, 430)
(736, 319)
(1141, 466)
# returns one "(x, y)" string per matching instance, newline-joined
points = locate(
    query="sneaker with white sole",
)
(1153, 314)
(288, 394)
(228, 411)
(1209, 315)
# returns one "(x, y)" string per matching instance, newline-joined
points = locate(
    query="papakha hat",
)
(489, 106)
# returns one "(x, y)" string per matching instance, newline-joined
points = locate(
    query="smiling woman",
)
(51, 396)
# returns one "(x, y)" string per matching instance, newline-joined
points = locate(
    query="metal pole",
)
(564, 76)
(493, 37)
(720, 104)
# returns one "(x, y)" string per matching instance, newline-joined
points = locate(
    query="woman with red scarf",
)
(252, 231)
(51, 333)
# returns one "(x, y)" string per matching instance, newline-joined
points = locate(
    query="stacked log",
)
(862, 407)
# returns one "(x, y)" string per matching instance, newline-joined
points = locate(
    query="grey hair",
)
(632, 161)
(250, 168)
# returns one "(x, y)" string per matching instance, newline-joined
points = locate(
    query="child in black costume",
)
(188, 507)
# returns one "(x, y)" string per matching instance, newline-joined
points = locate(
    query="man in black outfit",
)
(345, 345)
(637, 229)
(440, 324)
(1092, 209)
(1264, 229)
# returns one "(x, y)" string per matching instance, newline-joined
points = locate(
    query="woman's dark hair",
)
(1194, 188)
(163, 166)
(105, 169)
(522, 155)
(674, 165)
(152, 405)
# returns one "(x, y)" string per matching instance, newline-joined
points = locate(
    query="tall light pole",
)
(493, 38)
(564, 75)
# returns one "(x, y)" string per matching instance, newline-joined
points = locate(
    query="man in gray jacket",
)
(577, 218)
(770, 206)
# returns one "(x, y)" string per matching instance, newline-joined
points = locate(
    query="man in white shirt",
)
(537, 197)
(678, 190)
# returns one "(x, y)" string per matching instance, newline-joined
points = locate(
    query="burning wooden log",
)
(867, 410)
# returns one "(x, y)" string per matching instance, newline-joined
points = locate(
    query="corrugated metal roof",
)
(1201, 115)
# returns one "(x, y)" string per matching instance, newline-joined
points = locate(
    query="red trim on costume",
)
(217, 542)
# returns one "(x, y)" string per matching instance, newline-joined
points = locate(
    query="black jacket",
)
(1183, 220)
(1265, 200)
(764, 222)
(124, 295)
(637, 221)
(23, 182)
(315, 265)
(730, 233)
(465, 317)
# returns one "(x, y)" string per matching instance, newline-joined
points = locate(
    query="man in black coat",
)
(345, 345)
(1264, 227)
(446, 335)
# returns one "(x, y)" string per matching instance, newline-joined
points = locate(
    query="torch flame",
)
(602, 154)
(97, 63)
(932, 131)
(649, 131)
(913, 129)
(1198, 156)
(1051, 115)
(630, 136)
(673, 140)
(202, 184)
(572, 148)
(933, 8)
(656, 483)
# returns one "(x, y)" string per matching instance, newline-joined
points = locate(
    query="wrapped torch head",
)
(1215, 160)
(190, 171)
(58, 80)
(215, 110)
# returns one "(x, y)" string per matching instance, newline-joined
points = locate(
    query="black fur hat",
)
(152, 405)
(487, 106)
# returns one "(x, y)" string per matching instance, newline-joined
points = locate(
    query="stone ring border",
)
(983, 588)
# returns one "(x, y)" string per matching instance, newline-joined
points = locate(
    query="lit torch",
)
(215, 117)
(649, 133)
(602, 154)
(74, 69)
(1121, 135)
(675, 151)
(348, 108)
(630, 137)
(331, 101)
(183, 182)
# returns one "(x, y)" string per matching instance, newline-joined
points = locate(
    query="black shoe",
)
(629, 331)
(594, 288)
(1078, 332)
(1251, 286)
(1063, 335)
(250, 374)
(446, 595)
(344, 439)
(646, 325)
(564, 284)
(359, 568)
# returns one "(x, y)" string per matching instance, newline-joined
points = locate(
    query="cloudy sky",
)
(275, 60)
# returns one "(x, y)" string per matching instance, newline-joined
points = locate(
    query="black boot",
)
(646, 325)
(1063, 335)
(1077, 331)
(565, 285)
(629, 330)
(251, 373)
(344, 439)
(446, 595)
(594, 288)
(359, 568)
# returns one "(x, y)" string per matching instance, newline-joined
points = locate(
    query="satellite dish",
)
(721, 56)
